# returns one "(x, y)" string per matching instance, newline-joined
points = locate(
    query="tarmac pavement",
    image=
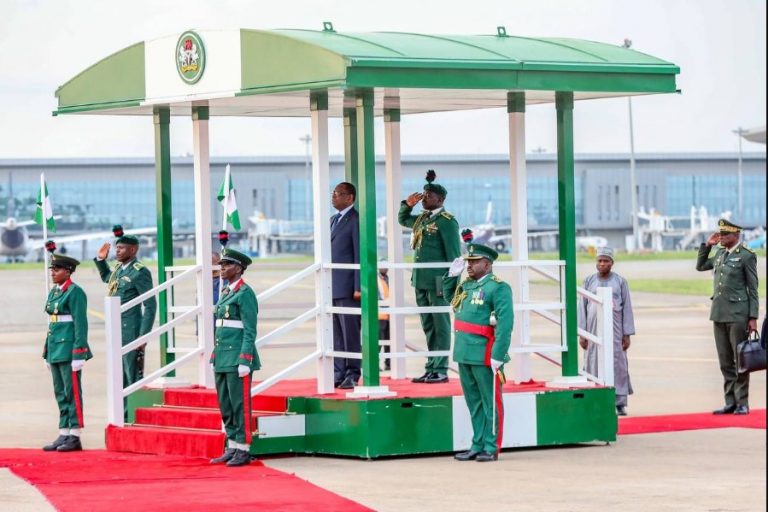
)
(673, 367)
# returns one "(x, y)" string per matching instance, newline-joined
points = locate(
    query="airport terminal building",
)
(95, 193)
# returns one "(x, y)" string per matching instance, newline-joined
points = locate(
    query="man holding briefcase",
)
(734, 307)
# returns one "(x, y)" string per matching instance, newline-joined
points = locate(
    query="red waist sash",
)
(486, 331)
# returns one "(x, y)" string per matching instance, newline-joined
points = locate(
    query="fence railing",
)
(550, 310)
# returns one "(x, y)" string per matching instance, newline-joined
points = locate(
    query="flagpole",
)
(43, 197)
(225, 203)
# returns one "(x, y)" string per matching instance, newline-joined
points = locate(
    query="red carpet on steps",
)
(697, 421)
(96, 480)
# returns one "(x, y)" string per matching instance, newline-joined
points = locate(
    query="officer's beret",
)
(59, 260)
(477, 251)
(128, 240)
(430, 186)
(727, 226)
(235, 257)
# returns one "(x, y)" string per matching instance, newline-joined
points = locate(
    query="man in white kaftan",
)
(623, 325)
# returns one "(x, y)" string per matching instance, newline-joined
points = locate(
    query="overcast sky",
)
(720, 46)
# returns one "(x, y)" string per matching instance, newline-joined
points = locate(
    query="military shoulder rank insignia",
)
(747, 249)
(138, 265)
(446, 215)
(496, 279)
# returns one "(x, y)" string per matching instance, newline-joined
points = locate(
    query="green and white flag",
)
(44, 211)
(226, 197)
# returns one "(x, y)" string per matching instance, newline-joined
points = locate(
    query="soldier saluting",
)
(128, 278)
(435, 238)
(734, 307)
(66, 349)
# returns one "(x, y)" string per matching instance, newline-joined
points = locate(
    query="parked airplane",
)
(16, 245)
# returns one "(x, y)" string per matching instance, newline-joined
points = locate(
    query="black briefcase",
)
(750, 354)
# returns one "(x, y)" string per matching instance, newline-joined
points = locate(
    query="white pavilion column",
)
(202, 177)
(321, 211)
(393, 177)
(521, 362)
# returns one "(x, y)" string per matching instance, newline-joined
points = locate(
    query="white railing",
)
(115, 349)
(324, 348)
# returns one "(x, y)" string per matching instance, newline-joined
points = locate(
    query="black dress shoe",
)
(224, 457)
(349, 383)
(54, 445)
(467, 455)
(621, 410)
(726, 409)
(423, 378)
(436, 378)
(240, 458)
(486, 457)
(72, 444)
(741, 410)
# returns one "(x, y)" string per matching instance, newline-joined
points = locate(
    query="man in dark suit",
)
(345, 248)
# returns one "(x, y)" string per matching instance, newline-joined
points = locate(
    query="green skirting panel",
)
(144, 397)
(576, 416)
(377, 428)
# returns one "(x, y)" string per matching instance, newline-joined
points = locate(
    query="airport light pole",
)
(307, 140)
(740, 189)
(632, 178)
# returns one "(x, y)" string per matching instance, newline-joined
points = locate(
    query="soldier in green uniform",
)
(483, 323)
(128, 278)
(234, 357)
(66, 350)
(734, 307)
(435, 238)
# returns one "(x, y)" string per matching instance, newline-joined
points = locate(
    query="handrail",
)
(271, 381)
(277, 288)
(156, 333)
(267, 338)
(162, 371)
(157, 289)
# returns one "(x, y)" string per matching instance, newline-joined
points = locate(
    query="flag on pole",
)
(226, 197)
(44, 211)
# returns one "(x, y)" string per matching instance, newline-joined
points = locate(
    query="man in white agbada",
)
(623, 325)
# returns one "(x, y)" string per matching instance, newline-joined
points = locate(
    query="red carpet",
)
(97, 480)
(697, 421)
(403, 387)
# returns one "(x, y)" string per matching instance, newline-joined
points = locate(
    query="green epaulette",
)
(496, 279)
(743, 246)
(446, 215)
(138, 265)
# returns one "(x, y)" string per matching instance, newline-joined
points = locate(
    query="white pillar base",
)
(371, 392)
(578, 381)
(168, 382)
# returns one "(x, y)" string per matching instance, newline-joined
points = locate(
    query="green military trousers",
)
(235, 409)
(64, 391)
(477, 383)
(437, 328)
(736, 385)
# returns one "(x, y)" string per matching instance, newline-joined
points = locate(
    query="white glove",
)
(242, 370)
(213, 367)
(495, 365)
(457, 267)
(77, 364)
(47, 364)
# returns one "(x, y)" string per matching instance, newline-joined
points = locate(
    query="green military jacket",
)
(734, 297)
(236, 345)
(67, 340)
(128, 284)
(434, 238)
(473, 302)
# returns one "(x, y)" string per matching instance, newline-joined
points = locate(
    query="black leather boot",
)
(54, 445)
(241, 458)
(224, 457)
(72, 444)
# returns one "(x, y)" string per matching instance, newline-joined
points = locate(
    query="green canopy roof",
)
(271, 72)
